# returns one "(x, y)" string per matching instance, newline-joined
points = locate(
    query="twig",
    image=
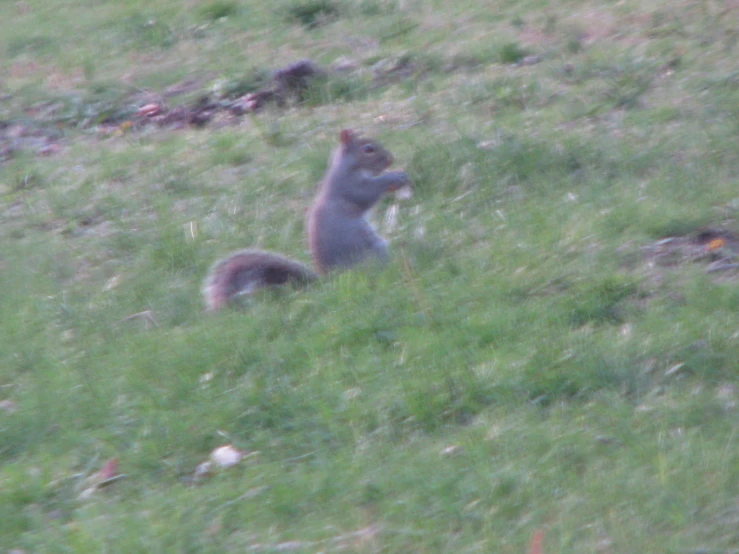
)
(722, 267)
(146, 315)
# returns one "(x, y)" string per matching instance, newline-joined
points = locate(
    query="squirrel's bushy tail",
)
(249, 270)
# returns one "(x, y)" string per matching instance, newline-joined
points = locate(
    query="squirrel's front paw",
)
(404, 176)
(400, 180)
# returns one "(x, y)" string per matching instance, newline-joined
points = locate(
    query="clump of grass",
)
(253, 80)
(511, 53)
(396, 28)
(572, 38)
(35, 44)
(26, 181)
(435, 166)
(213, 11)
(601, 303)
(630, 80)
(376, 7)
(101, 102)
(518, 22)
(230, 149)
(573, 45)
(512, 92)
(311, 13)
(334, 90)
(145, 33)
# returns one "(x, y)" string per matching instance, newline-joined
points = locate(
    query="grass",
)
(536, 356)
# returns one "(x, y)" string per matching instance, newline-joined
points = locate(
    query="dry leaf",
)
(537, 543)
(150, 110)
(106, 474)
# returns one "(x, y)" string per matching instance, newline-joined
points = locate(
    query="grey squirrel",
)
(339, 234)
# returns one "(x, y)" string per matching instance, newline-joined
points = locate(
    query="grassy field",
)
(554, 346)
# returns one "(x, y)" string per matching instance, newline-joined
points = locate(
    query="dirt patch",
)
(286, 84)
(15, 137)
(39, 129)
(716, 249)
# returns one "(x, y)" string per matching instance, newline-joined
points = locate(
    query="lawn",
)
(554, 346)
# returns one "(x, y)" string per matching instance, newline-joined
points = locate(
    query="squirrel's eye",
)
(368, 149)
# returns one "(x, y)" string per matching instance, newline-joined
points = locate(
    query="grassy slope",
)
(582, 388)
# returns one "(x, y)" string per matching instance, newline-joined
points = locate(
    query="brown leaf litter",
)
(716, 249)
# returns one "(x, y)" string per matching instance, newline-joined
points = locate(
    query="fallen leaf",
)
(715, 244)
(104, 475)
(150, 110)
(537, 543)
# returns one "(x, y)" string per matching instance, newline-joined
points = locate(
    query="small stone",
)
(226, 456)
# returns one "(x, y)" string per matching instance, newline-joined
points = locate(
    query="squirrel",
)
(339, 235)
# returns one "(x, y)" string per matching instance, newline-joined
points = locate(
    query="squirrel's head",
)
(370, 154)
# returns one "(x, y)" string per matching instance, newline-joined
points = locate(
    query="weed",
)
(27, 181)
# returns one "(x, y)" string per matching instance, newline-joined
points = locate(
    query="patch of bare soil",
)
(39, 130)
(716, 249)
(15, 137)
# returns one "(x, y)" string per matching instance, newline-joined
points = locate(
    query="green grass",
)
(527, 361)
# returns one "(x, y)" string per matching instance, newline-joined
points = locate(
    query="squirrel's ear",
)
(346, 136)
